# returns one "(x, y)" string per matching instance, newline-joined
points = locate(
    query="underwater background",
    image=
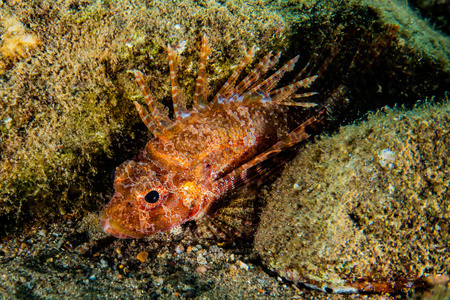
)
(364, 204)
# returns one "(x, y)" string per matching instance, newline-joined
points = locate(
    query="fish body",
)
(194, 160)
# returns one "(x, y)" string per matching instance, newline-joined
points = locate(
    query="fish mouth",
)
(111, 227)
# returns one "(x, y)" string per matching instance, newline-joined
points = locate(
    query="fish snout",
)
(111, 228)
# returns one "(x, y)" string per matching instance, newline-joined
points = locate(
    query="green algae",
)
(370, 202)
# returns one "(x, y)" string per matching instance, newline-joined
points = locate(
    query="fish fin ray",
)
(264, 164)
(235, 219)
(201, 88)
(228, 87)
(160, 116)
(178, 96)
(283, 93)
(257, 73)
(267, 85)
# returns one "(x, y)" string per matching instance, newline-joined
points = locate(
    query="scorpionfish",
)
(203, 153)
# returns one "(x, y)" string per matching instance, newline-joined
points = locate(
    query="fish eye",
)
(152, 197)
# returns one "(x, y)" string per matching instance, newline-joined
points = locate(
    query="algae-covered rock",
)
(437, 12)
(366, 209)
(66, 93)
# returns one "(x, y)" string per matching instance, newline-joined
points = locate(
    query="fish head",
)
(145, 201)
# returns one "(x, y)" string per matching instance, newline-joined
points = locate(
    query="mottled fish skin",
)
(195, 159)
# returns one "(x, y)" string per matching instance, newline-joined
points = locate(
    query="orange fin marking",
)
(281, 94)
(268, 84)
(298, 96)
(303, 95)
(207, 228)
(159, 114)
(203, 231)
(299, 104)
(302, 73)
(274, 61)
(178, 96)
(216, 230)
(229, 85)
(201, 88)
(264, 65)
(146, 119)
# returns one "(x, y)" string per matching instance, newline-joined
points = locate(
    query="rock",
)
(179, 249)
(353, 224)
(142, 256)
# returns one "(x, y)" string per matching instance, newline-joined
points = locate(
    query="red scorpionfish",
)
(194, 160)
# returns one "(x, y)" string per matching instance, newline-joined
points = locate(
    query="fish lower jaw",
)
(111, 229)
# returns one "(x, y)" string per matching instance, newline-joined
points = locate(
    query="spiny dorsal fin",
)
(147, 120)
(228, 87)
(268, 84)
(261, 69)
(283, 93)
(201, 88)
(160, 116)
(178, 96)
